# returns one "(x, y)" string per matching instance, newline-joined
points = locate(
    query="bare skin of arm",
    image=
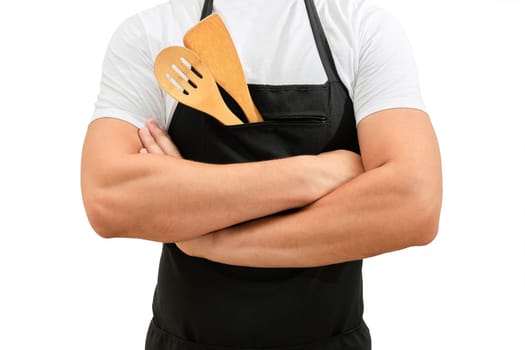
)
(393, 205)
(162, 197)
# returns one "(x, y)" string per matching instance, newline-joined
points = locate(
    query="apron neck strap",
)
(317, 29)
(207, 8)
(321, 42)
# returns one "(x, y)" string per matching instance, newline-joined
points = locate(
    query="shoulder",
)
(157, 27)
(373, 55)
(356, 18)
(350, 27)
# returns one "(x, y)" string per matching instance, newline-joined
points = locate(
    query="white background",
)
(63, 287)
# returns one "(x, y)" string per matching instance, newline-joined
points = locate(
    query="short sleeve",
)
(128, 88)
(387, 75)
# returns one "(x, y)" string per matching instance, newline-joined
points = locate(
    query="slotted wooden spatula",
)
(187, 79)
(212, 42)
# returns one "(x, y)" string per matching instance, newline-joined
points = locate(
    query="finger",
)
(143, 151)
(149, 142)
(162, 139)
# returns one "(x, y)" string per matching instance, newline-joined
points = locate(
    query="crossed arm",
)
(162, 197)
(395, 203)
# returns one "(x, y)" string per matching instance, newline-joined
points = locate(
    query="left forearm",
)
(377, 212)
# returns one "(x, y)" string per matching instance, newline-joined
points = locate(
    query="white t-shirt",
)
(275, 45)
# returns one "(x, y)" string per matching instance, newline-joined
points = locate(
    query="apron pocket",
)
(202, 138)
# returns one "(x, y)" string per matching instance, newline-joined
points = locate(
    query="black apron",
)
(203, 305)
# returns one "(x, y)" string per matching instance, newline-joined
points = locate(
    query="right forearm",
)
(166, 199)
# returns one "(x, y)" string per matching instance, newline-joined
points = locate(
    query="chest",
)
(274, 40)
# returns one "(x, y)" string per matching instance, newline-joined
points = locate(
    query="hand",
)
(156, 140)
(341, 166)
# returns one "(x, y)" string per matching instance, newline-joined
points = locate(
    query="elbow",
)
(424, 212)
(112, 215)
(102, 214)
(426, 220)
(426, 229)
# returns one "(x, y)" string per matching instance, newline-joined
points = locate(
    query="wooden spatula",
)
(210, 40)
(188, 80)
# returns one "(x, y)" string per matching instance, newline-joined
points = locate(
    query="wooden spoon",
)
(211, 41)
(188, 80)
